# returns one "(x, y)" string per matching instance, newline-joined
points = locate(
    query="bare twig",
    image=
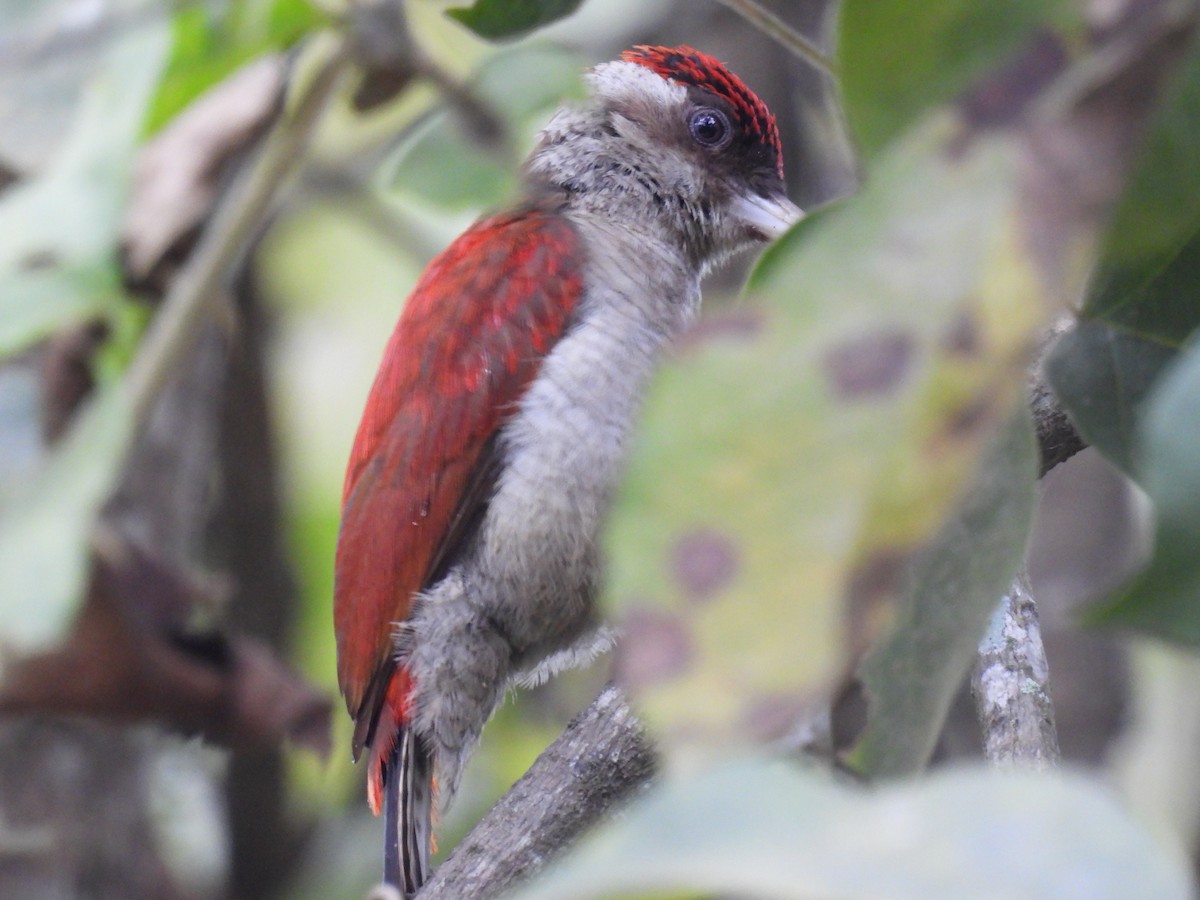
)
(783, 33)
(1057, 438)
(1012, 698)
(601, 759)
(267, 836)
(1009, 684)
(194, 295)
(178, 175)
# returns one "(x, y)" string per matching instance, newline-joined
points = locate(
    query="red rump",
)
(509, 285)
(689, 66)
(397, 703)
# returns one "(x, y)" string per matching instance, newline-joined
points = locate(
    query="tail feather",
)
(408, 813)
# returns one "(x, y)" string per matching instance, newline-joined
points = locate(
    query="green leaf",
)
(1122, 375)
(211, 42)
(949, 595)
(58, 232)
(37, 304)
(1164, 600)
(1119, 373)
(1159, 211)
(768, 829)
(57, 243)
(1103, 375)
(501, 19)
(1141, 304)
(49, 519)
(899, 59)
(807, 446)
(71, 213)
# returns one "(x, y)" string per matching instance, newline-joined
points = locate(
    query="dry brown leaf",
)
(130, 658)
(177, 174)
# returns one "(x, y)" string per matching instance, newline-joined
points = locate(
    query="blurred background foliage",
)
(835, 476)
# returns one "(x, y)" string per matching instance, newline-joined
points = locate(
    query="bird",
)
(497, 428)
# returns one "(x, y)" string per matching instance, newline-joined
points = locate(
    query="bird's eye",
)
(708, 127)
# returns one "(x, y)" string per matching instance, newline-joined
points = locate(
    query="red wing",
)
(470, 340)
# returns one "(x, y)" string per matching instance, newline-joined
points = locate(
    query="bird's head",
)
(670, 135)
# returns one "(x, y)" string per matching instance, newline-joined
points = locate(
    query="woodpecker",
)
(501, 415)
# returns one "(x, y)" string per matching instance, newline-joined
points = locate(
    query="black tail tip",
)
(408, 803)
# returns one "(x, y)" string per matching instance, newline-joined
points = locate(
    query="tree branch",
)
(1010, 681)
(267, 837)
(1057, 438)
(193, 297)
(601, 759)
(1010, 685)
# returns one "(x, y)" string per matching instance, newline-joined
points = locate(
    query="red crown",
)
(689, 66)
